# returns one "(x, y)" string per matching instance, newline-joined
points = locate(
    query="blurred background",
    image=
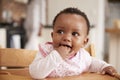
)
(26, 23)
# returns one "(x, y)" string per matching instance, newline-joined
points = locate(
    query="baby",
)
(66, 56)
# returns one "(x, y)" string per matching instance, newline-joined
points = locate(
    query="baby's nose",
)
(67, 37)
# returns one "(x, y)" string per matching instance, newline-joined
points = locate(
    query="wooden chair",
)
(18, 60)
(91, 49)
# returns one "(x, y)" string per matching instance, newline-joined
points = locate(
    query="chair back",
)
(16, 61)
(91, 49)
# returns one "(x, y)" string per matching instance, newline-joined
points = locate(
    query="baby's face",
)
(70, 30)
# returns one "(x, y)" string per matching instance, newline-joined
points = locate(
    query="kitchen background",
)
(21, 19)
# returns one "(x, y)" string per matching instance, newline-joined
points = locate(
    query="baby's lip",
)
(69, 46)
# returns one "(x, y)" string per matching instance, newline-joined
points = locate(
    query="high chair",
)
(16, 62)
(91, 49)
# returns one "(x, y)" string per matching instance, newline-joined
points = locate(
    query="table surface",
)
(85, 76)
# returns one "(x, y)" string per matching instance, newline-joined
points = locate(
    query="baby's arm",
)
(41, 67)
(103, 67)
(97, 65)
(111, 71)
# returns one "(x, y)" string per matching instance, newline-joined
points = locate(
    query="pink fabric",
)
(48, 63)
(69, 67)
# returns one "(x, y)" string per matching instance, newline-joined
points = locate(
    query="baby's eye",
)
(75, 34)
(60, 31)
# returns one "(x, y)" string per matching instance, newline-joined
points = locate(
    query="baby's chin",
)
(74, 50)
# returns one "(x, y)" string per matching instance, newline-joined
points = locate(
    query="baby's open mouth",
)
(65, 45)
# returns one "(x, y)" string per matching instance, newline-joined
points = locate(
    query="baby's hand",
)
(64, 51)
(111, 71)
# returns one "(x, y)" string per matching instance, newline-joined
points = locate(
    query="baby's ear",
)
(85, 41)
(52, 34)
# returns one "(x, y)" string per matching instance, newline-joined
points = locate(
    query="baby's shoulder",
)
(83, 52)
(46, 48)
(47, 45)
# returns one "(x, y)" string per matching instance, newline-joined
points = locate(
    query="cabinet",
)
(9, 32)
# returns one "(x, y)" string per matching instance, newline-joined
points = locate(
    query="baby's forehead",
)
(73, 18)
(83, 19)
(65, 14)
(71, 28)
(80, 17)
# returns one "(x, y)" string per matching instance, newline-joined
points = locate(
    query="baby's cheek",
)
(76, 49)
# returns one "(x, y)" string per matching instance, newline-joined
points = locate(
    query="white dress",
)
(48, 63)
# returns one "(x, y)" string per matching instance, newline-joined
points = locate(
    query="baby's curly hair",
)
(72, 10)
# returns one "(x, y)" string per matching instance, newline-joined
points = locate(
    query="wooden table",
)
(86, 76)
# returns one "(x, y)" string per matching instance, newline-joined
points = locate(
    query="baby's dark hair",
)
(71, 10)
